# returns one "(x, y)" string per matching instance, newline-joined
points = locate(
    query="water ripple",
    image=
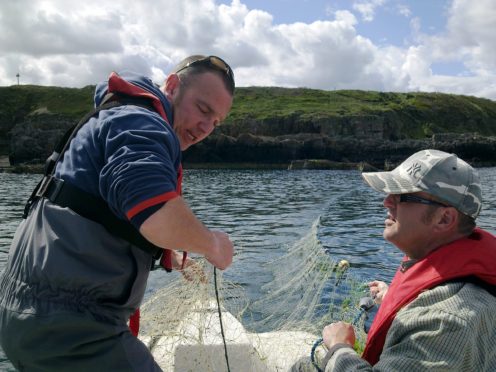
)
(266, 212)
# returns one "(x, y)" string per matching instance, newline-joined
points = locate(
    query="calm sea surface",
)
(266, 212)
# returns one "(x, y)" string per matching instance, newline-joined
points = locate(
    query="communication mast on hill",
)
(17, 76)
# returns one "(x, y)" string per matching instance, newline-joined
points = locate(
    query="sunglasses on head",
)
(409, 198)
(215, 63)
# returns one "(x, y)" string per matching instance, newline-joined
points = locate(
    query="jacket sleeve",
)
(142, 157)
(447, 328)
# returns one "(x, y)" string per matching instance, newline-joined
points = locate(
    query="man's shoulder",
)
(468, 290)
(129, 117)
(463, 299)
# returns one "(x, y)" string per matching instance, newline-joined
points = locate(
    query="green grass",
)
(418, 114)
(24, 99)
(260, 103)
(421, 114)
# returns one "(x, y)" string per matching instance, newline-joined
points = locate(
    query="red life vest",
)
(473, 256)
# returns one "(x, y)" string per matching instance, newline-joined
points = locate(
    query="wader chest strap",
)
(83, 203)
(96, 209)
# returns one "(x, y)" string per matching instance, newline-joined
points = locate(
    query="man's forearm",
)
(174, 226)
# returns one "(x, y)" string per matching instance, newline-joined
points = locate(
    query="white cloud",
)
(39, 31)
(404, 10)
(59, 43)
(472, 25)
(467, 39)
(367, 8)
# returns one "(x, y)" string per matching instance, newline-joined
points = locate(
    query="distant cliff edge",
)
(281, 126)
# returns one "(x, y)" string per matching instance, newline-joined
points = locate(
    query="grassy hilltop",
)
(427, 113)
(17, 101)
(447, 112)
(272, 124)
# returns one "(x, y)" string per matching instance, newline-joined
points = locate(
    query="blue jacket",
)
(128, 155)
(61, 262)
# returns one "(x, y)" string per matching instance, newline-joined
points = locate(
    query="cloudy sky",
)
(387, 45)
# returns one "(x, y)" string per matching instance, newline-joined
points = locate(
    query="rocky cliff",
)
(380, 153)
(278, 126)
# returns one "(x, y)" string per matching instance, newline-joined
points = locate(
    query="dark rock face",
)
(477, 149)
(33, 140)
(369, 126)
(376, 140)
(378, 152)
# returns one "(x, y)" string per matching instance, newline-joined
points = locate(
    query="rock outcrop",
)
(377, 152)
(33, 140)
(353, 142)
(281, 126)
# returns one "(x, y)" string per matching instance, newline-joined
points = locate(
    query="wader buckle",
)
(50, 188)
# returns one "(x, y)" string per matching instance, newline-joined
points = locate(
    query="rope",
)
(358, 316)
(312, 354)
(320, 340)
(220, 320)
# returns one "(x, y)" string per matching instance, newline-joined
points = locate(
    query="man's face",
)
(198, 107)
(407, 225)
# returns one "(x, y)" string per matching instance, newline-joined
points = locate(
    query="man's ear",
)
(171, 85)
(447, 219)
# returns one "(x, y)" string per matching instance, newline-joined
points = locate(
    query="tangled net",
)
(202, 322)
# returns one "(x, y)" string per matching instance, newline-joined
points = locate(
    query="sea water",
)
(265, 212)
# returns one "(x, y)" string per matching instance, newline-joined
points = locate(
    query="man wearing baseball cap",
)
(439, 311)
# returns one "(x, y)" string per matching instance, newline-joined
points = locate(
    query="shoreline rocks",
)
(32, 141)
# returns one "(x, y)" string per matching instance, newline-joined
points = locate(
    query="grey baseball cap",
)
(438, 173)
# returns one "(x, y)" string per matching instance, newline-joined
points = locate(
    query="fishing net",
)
(203, 322)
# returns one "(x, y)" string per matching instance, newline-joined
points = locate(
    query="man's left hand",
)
(338, 333)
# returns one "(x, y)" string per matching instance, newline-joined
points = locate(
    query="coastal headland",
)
(270, 127)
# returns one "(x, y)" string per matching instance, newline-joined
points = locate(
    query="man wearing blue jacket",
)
(72, 282)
